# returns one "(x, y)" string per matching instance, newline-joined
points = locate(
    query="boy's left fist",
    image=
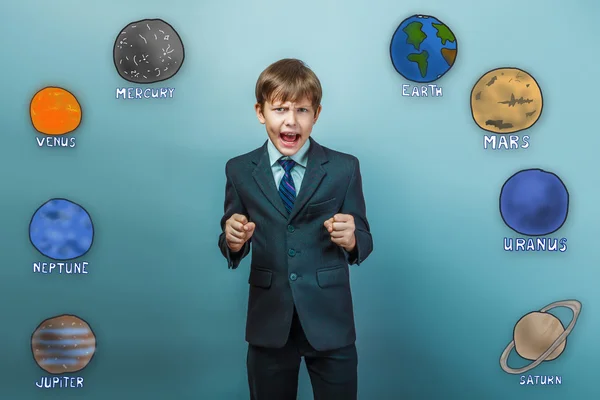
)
(341, 229)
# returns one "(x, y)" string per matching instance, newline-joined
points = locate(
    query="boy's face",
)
(288, 124)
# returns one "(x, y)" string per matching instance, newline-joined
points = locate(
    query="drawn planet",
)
(534, 202)
(506, 100)
(148, 51)
(423, 49)
(539, 336)
(63, 344)
(61, 229)
(55, 111)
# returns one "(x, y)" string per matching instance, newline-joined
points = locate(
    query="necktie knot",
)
(287, 164)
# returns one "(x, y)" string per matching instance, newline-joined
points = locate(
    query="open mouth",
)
(289, 139)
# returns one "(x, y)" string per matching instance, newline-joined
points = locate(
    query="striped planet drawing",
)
(61, 229)
(63, 344)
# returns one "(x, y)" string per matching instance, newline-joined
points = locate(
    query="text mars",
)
(503, 142)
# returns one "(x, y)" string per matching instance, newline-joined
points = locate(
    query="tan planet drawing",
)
(506, 100)
(539, 336)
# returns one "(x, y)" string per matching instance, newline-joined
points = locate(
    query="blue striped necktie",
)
(287, 189)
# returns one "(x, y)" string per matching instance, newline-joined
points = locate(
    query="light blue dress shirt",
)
(301, 159)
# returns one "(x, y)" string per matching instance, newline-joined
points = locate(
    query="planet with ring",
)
(540, 336)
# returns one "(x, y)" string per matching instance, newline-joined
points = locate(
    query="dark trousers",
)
(273, 373)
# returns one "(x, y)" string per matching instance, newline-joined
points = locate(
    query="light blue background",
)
(437, 300)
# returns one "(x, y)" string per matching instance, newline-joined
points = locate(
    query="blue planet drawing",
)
(61, 230)
(423, 49)
(534, 202)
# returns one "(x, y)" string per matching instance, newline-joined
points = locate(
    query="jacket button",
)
(291, 252)
(291, 229)
(293, 276)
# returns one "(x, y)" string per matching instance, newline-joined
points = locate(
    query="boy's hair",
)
(288, 80)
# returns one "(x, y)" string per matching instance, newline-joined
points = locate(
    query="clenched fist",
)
(341, 229)
(238, 231)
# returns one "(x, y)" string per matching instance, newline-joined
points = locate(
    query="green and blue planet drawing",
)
(423, 49)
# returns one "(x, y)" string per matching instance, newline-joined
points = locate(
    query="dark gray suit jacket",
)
(294, 261)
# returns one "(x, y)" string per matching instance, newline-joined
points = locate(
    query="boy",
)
(301, 208)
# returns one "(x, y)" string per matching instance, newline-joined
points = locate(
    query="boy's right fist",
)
(238, 231)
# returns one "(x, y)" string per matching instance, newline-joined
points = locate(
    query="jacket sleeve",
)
(354, 204)
(233, 205)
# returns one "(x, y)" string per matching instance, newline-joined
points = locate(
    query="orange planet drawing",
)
(55, 111)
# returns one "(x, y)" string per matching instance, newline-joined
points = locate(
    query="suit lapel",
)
(312, 178)
(263, 175)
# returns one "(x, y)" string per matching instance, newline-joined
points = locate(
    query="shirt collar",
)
(301, 157)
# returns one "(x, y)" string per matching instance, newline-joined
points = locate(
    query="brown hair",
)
(288, 80)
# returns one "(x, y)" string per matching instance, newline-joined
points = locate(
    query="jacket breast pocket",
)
(323, 207)
(260, 277)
